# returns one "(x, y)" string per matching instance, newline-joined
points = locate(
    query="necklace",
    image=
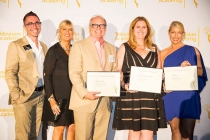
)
(64, 48)
(142, 48)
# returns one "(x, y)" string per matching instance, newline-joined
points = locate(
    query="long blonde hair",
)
(148, 38)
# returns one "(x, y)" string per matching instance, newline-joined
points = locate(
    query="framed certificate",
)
(181, 78)
(106, 83)
(146, 79)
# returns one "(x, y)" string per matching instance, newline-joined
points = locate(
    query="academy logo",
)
(190, 36)
(193, 36)
(78, 33)
(6, 112)
(2, 74)
(195, 2)
(65, 2)
(207, 108)
(179, 1)
(8, 2)
(136, 3)
(19, 2)
(10, 35)
(207, 31)
(77, 1)
(121, 36)
(123, 2)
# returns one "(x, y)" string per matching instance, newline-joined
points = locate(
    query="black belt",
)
(39, 88)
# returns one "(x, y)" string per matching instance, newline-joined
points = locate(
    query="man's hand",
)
(16, 101)
(91, 96)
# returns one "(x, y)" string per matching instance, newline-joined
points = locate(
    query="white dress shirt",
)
(39, 56)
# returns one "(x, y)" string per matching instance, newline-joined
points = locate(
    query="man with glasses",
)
(91, 112)
(24, 77)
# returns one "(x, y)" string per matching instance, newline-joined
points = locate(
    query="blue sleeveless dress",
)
(184, 104)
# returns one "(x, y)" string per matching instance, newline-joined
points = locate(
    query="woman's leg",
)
(174, 124)
(187, 128)
(134, 135)
(146, 135)
(140, 135)
(71, 132)
(58, 133)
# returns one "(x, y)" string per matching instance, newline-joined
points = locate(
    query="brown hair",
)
(148, 37)
(29, 14)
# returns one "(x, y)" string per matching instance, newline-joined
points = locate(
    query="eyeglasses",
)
(102, 26)
(30, 24)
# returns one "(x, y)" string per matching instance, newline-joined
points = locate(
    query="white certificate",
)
(106, 83)
(146, 79)
(181, 78)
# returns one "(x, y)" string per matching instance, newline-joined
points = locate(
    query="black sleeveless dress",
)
(142, 110)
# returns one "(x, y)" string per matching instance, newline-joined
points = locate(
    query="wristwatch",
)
(51, 97)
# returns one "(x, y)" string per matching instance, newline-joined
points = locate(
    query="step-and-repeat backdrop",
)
(194, 14)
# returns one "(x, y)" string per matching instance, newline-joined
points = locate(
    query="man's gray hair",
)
(97, 16)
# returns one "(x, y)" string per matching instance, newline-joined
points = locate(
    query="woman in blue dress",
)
(182, 107)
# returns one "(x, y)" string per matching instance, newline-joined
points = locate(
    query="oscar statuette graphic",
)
(19, 2)
(196, 3)
(136, 3)
(207, 31)
(78, 3)
(207, 108)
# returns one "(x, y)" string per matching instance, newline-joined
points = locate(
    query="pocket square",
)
(27, 47)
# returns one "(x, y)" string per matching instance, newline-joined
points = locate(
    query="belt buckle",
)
(39, 88)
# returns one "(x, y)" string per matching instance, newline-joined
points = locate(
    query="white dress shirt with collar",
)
(39, 56)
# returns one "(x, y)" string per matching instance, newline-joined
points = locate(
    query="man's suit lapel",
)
(106, 53)
(44, 49)
(92, 48)
(29, 53)
(31, 57)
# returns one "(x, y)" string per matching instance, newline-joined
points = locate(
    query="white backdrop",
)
(194, 14)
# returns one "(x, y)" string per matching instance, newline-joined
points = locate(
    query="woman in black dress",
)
(58, 86)
(141, 113)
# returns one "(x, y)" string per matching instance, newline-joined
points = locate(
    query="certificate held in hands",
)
(106, 83)
(146, 79)
(181, 78)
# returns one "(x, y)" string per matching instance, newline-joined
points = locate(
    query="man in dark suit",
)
(24, 77)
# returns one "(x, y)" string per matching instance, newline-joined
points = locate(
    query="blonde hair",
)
(178, 25)
(64, 23)
(148, 38)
